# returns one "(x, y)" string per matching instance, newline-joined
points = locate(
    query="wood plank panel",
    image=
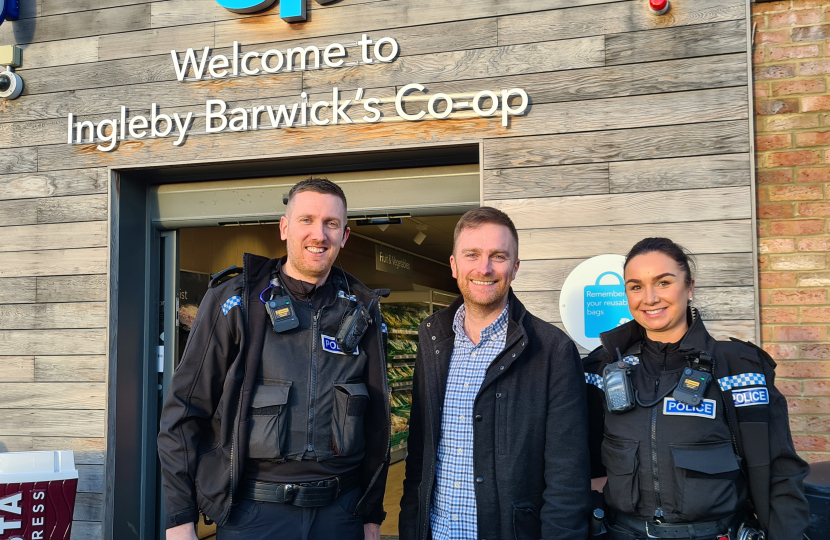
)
(17, 369)
(629, 208)
(54, 262)
(54, 423)
(72, 288)
(715, 270)
(707, 236)
(153, 42)
(77, 25)
(665, 43)
(54, 342)
(723, 330)
(531, 182)
(543, 304)
(470, 64)
(87, 530)
(725, 303)
(613, 18)
(90, 478)
(61, 53)
(18, 213)
(18, 290)
(70, 368)
(78, 396)
(59, 7)
(54, 183)
(22, 160)
(377, 16)
(15, 444)
(680, 173)
(54, 236)
(89, 451)
(45, 316)
(72, 209)
(89, 507)
(620, 145)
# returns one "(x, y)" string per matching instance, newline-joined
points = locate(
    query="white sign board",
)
(593, 299)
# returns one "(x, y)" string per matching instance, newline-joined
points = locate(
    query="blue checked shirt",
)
(453, 515)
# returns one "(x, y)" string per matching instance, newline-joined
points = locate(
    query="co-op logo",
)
(290, 10)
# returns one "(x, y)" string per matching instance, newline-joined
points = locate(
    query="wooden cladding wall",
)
(638, 126)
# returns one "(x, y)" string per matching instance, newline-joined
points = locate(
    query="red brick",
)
(758, 56)
(769, 211)
(815, 315)
(816, 279)
(775, 71)
(817, 351)
(788, 53)
(763, 228)
(814, 209)
(789, 297)
(811, 442)
(776, 106)
(811, 33)
(816, 457)
(772, 142)
(815, 103)
(807, 86)
(781, 351)
(779, 315)
(803, 370)
(769, 6)
(789, 388)
(801, 121)
(798, 424)
(814, 174)
(816, 388)
(815, 138)
(798, 262)
(776, 245)
(775, 37)
(820, 424)
(796, 227)
(762, 195)
(797, 192)
(766, 331)
(778, 279)
(798, 4)
(816, 67)
(796, 157)
(777, 176)
(799, 333)
(820, 243)
(815, 405)
(795, 18)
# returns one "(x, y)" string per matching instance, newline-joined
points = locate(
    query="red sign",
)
(37, 510)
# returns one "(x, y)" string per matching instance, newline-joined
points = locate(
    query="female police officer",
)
(696, 441)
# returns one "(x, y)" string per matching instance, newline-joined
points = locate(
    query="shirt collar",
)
(496, 328)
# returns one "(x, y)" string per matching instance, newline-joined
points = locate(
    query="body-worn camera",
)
(619, 391)
(282, 314)
(695, 380)
(355, 323)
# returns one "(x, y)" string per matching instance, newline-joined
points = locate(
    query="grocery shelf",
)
(404, 331)
(401, 385)
(402, 357)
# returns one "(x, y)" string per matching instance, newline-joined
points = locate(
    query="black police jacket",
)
(217, 411)
(732, 453)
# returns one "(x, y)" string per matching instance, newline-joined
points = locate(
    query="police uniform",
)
(681, 471)
(278, 432)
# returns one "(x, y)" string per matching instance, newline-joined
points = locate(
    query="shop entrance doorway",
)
(401, 221)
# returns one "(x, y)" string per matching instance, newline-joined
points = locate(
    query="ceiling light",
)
(419, 238)
(383, 227)
(384, 220)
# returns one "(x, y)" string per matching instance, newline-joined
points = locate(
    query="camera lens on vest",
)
(687, 371)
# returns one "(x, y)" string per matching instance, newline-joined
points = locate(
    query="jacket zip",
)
(244, 307)
(658, 512)
(313, 380)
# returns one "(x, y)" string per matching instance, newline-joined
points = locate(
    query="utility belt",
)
(728, 528)
(305, 494)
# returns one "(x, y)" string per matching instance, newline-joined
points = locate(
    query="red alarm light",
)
(658, 7)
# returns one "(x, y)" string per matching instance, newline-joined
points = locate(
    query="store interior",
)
(421, 284)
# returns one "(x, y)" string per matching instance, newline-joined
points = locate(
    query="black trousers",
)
(253, 520)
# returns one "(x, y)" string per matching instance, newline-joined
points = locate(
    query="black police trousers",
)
(255, 520)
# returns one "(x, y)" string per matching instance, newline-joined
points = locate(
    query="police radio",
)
(695, 380)
(355, 323)
(619, 392)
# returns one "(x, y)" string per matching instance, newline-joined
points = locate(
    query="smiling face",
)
(484, 263)
(658, 295)
(314, 229)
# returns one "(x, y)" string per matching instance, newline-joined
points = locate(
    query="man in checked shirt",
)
(498, 444)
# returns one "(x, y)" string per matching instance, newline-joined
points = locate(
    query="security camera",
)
(10, 84)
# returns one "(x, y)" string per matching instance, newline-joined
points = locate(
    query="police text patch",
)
(330, 345)
(707, 409)
(750, 396)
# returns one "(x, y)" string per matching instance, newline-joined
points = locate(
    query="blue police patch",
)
(596, 380)
(341, 294)
(633, 360)
(750, 396)
(707, 409)
(383, 328)
(330, 345)
(231, 303)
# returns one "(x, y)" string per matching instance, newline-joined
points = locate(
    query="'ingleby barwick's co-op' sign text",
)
(302, 113)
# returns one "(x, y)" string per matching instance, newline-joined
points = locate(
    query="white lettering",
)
(282, 113)
(245, 63)
(37, 535)
(369, 105)
(138, 122)
(431, 106)
(38, 507)
(314, 119)
(255, 112)
(239, 122)
(210, 115)
(338, 110)
(154, 120)
(395, 49)
(364, 47)
(506, 109)
(289, 53)
(182, 127)
(494, 104)
(220, 61)
(39, 495)
(399, 102)
(79, 128)
(11, 504)
(5, 525)
(264, 62)
(330, 53)
(189, 59)
(112, 137)
(38, 521)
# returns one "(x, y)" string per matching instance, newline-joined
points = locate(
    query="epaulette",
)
(761, 352)
(218, 277)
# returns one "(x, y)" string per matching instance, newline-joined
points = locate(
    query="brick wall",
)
(792, 105)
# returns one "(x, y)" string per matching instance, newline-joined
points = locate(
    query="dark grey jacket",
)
(531, 433)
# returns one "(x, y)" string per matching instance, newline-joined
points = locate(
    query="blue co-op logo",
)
(290, 10)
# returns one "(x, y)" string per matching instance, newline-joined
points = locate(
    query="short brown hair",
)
(319, 184)
(482, 215)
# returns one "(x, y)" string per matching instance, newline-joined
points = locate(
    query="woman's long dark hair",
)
(681, 255)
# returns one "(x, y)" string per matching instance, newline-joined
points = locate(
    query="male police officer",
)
(277, 419)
